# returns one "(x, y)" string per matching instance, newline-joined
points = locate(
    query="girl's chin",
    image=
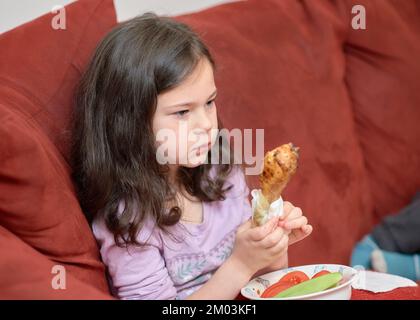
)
(195, 160)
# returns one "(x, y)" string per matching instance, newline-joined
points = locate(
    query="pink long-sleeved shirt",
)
(168, 268)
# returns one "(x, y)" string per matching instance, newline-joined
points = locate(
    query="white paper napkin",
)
(275, 209)
(380, 282)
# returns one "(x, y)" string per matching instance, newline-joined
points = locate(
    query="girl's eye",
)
(210, 103)
(181, 113)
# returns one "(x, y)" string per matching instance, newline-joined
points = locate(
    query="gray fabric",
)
(400, 232)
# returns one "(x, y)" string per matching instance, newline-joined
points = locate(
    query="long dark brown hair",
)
(113, 153)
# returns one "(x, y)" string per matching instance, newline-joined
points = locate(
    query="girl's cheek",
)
(166, 134)
(177, 147)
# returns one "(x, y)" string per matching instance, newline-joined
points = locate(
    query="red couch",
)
(349, 98)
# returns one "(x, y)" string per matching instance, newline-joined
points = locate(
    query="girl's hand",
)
(259, 247)
(295, 223)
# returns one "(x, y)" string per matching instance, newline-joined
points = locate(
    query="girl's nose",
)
(203, 120)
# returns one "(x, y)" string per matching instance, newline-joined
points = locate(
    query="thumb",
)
(245, 226)
(259, 233)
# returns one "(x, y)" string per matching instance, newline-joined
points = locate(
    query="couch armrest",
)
(27, 274)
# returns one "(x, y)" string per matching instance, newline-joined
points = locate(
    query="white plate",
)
(256, 286)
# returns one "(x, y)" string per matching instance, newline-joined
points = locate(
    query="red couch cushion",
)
(280, 61)
(28, 274)
(37, 200)
(383, 78)
(281, 67)
(43, 65)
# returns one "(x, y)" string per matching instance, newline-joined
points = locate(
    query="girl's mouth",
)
(203, 148)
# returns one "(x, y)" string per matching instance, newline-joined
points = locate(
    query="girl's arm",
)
(218, 288)
(254, 249)
(282, 263)
(137, 273)
(225, 284)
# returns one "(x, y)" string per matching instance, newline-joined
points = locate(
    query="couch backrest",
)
(294, 68)
(282, 68)
(349, 98)
(39, 68)
(383, 82)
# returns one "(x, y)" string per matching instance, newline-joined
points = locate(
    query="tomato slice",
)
(289, 280)
(321, 273)
(276, 288)
(295, 277)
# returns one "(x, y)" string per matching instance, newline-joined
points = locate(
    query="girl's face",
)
(186, 118)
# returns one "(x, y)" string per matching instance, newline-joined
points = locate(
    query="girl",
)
(180, 229)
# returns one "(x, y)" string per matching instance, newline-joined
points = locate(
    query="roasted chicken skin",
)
(280, 165)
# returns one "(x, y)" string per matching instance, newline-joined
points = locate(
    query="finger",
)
(300, 234)
(296, 236)
(281, 246)
(307, 229)
(259, 233)
(273, 238)
(296, 223)
(245, 226)
(287, 208)
(295, 213)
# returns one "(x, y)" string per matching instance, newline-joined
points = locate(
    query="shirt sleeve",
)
(137, 272)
